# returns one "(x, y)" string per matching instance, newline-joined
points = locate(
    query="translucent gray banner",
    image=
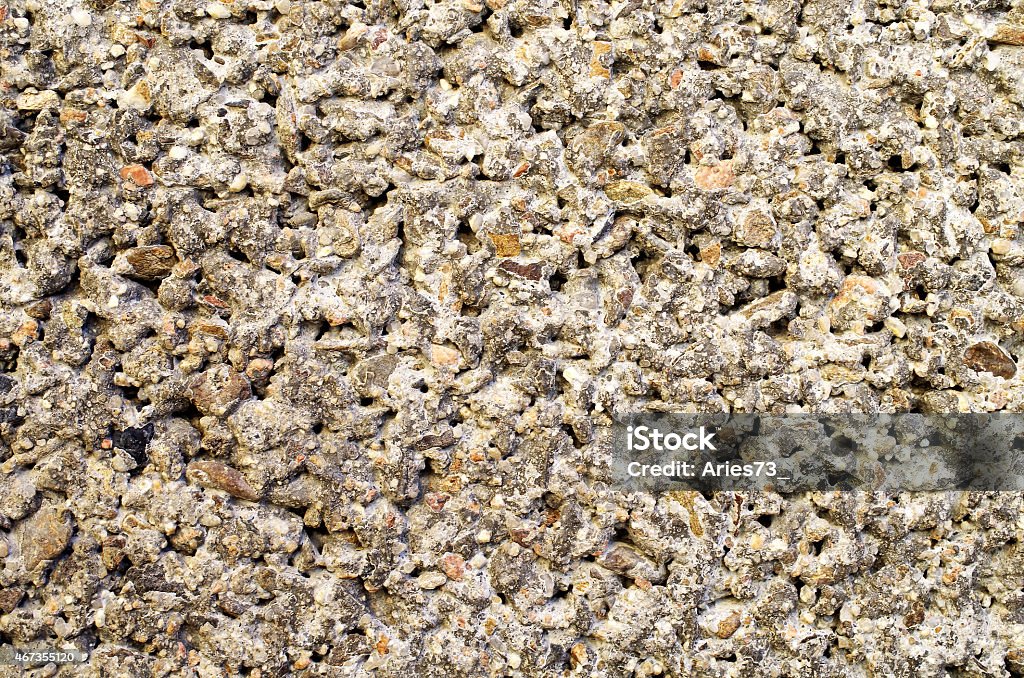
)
(801, 452)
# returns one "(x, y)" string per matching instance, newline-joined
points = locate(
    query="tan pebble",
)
(728, 626)
(443, 355)
(1001, 246)
(627, 191)
(1009, 34)
(44, 536)
(896, 326)
(578, 654)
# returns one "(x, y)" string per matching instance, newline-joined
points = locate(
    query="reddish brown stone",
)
(528, 271)
(9, 599)
(985, 356)
(151, 262)
(218, 476)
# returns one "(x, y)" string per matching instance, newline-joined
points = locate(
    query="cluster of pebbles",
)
(314, 317)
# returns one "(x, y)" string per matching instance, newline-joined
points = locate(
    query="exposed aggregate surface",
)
(313, 317)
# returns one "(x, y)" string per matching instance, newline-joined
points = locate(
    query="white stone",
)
(81, 18)
(218, 11)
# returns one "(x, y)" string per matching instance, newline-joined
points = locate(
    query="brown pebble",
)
(528, 271)
(1009, 34)
(44, 536)
(9, 599)
(259, 369)
(728, 626)
(218, 476)
(218, 390)
(151, 262)
(40, 310)
(757, 230)
(985, 356)
(578, 654)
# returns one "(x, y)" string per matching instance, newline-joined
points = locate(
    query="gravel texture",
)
(314, 316)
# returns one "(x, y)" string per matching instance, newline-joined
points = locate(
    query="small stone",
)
(44, 536)
(713, 177)
(219, 390)
(506, 245)
(756, 229)
(259, 369)
(453, 565)
(861, 300)
(531, 271)
(151, 262)
(218, 11)
(37, 101)
(435, 500)
(218, 476)
(238, 183)
(431, 580)
(756, 263)
(1009, 34)
(627, 191)
(767, 310)
(444, 356)
(727, 627)
(39, 310)
(602, 52)
(578, 654)
(81, 18)
(986, 356)
(1015, 660)
(137, 174)
(625, 560)
(9, 598)
(1001, 246)
(896, 326)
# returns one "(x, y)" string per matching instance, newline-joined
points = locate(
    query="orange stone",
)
(506, 244)
(137, 174)
(453, 566)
